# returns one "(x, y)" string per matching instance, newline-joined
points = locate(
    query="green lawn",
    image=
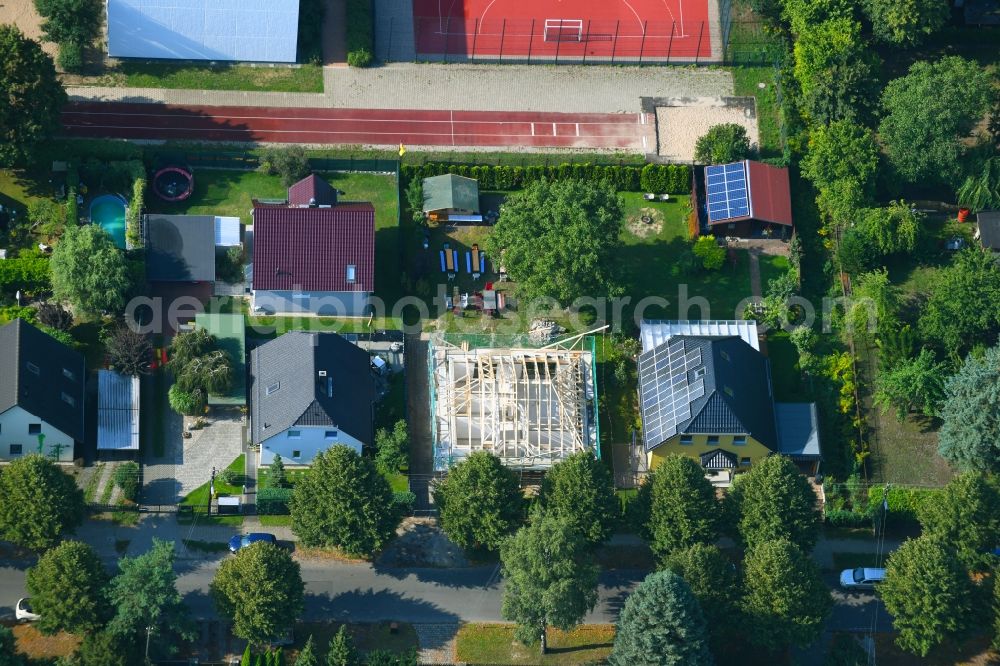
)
(291, 475)
(771, 267)
(785, 374)
(275, 521)
(746, 83)
(226, 193)
(495, 644)
(199, 496)
(304, 78)
(400, 483)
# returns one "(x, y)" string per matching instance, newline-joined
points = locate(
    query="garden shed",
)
(452, 197)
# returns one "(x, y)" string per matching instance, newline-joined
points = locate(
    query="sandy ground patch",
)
(22, 14)
(646, 223)
(680, 125)
(421, 543)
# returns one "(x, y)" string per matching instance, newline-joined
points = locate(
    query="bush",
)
(904, 503)
(722, 144)
(360, 33)
(231, 477)
(133, 213)
(127, 479)
(27, 274)
(273, 501)
(403, 500)
(844, 518)
(70, 57)
(290, 163)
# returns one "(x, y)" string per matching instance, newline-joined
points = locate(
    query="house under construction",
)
(530, 407)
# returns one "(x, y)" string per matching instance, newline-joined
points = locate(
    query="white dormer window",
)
(272, 388)
(352, 273)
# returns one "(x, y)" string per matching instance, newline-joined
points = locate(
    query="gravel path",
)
(572, 89)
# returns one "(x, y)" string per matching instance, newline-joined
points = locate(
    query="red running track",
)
(624, 131)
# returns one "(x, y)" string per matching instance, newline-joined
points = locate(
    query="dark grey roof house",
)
(711, 397)
(310, 391)
(450, 195)
(41, 394)
(180, 248)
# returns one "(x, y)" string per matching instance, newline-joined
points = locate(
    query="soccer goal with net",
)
(564, 30)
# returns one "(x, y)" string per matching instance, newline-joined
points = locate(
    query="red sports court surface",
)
(623, 131)
(574, 30)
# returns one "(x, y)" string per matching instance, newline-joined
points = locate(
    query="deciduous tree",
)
(32, 97)
(38, 502)
(102, 648)
(129, 351)
(841, 161)
(89, 271)
(392, 448)
(343, 502)
(560, 240)
(479, 502)
(683, 509)
(836, 70)
(146, 601)
(928, 593)
(922, 127)
(67, 589)
(661, 623)
(785, 600)
(54, 316)
(551, 578)
(709, 252)
(8, 648)
(893, 229)
(966, 515)
(260, 591)
(915, 384)
(906, 22)
(776, 502)
(580, 489)
(713, 581)
(722, 144)
(74, 21)
(963, 308)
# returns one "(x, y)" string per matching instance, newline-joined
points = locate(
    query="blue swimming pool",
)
(108, 210)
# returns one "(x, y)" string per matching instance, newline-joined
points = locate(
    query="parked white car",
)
(23, 611)
(861, 578)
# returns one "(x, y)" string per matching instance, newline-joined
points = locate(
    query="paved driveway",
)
(187, 463)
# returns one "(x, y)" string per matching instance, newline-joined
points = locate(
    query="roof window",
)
(33, 369)
(272, 388)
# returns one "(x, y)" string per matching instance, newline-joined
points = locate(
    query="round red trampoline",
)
(173, 183)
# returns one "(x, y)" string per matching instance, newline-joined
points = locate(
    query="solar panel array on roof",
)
(726, 190)
(666, 389)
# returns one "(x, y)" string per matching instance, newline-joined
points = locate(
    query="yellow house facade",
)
(709, 397)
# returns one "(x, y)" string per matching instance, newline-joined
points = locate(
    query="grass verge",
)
(275, 521)
(304, 78)
(746, 83)
(974, 651)
(90, 490)
(495, 644)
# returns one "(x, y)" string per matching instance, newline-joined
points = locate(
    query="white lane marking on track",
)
(554, 131)
(298, 131)
(532, 129)
(452, 128)
(578, 129)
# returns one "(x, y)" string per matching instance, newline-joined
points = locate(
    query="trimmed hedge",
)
(273, 501)
(310, 46)
(133, 214)
(360, 33)
(845, 518)
(403, 500)
(666, 178)
(673, 178)
(27, 274)
(905, 504)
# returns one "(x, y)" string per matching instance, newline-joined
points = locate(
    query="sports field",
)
(571, 30)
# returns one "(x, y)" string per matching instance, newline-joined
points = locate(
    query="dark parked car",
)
(242, 541)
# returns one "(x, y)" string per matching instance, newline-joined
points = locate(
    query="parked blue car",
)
(242, 541)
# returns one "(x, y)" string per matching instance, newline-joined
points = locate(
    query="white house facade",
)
(22, 432)
(298, 445)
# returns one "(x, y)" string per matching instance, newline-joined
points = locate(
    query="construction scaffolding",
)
(530, 407)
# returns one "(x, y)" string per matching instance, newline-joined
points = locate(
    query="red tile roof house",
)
(748, 199)
(312, 254)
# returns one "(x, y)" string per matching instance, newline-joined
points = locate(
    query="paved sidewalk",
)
(569, 88)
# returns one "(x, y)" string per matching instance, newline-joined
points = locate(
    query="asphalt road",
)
(366, 593)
